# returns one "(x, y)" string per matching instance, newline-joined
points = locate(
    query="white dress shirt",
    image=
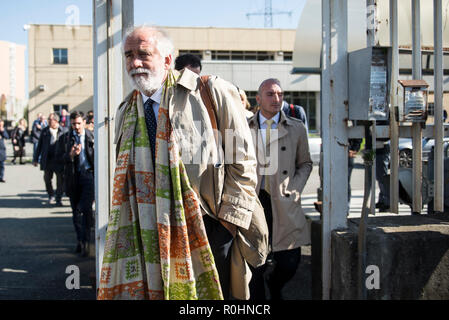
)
(156, 98)
(263, 125)
(84, 164)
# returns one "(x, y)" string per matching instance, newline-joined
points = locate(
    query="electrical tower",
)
(268, 14)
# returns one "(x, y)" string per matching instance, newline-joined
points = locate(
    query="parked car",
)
(406, 150)
(314, 148)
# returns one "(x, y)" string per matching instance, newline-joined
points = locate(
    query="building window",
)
(57, 108)
(251, 96)
(60, 56)
(242, 55)
(288, 55)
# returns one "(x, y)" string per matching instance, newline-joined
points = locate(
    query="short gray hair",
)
(163, 42)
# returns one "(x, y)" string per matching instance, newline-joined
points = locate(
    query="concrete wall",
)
(411, 252)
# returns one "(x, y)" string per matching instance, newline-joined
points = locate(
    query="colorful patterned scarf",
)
(156, 244)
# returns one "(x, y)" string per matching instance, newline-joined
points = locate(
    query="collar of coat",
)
(283, 120)
(284, 123)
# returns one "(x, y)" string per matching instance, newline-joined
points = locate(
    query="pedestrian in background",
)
(382, 165)
(38, 125)
(285, 148)
(354, 148)
(18, 140)
(50, 163)
(78, 154)
(64, 120)
(188, 61)
(3, 136)
(90, 121)
(297, 112)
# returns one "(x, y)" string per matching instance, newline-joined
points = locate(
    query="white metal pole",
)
(101, 105)
(416, 127)
(438, 103)
(394, 126)
(334, 88)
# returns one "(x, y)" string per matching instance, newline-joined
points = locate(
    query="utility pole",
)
(268, 14)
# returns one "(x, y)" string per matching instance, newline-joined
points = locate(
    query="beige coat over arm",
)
(290, 168)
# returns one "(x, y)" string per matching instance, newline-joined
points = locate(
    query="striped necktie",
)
(150, 120)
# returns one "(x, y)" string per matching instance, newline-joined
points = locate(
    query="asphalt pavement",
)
(37, 241)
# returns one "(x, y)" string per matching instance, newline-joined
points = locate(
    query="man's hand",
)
(35, 164)
(75, 151)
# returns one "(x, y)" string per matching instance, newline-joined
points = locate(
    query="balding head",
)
(270, 97)
(268, 81)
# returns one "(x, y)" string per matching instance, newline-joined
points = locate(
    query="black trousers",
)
(350, 168)
(280, 266)
(48, 176)
(220, 240)
(81, 203)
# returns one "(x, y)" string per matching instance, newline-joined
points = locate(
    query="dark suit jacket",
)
(70, 166)
(43, 147)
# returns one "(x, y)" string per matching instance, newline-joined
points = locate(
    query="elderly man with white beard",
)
(175, 209)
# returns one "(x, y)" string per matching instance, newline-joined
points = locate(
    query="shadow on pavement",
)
(24, 200)
(35, 254)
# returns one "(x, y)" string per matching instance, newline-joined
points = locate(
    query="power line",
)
(268, 14)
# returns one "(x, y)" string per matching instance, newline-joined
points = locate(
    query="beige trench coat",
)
(290, 167)
(225, 181)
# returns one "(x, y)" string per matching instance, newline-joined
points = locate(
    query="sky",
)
(200, 13)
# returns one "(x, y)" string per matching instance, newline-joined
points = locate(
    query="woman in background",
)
(18, 140)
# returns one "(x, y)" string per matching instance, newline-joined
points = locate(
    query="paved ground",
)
(37, 240)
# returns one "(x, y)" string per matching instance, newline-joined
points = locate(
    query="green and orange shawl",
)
(156, 244)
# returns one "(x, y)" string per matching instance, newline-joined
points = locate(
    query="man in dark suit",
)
(78, 155)
(50, 163)
(38, 125)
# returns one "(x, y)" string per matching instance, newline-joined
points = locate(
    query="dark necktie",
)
(150, 120)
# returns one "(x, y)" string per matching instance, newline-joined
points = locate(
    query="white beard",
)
(146, 84)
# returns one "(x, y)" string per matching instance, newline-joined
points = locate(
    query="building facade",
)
(61, 60)
(60, 64)
(12, 82)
